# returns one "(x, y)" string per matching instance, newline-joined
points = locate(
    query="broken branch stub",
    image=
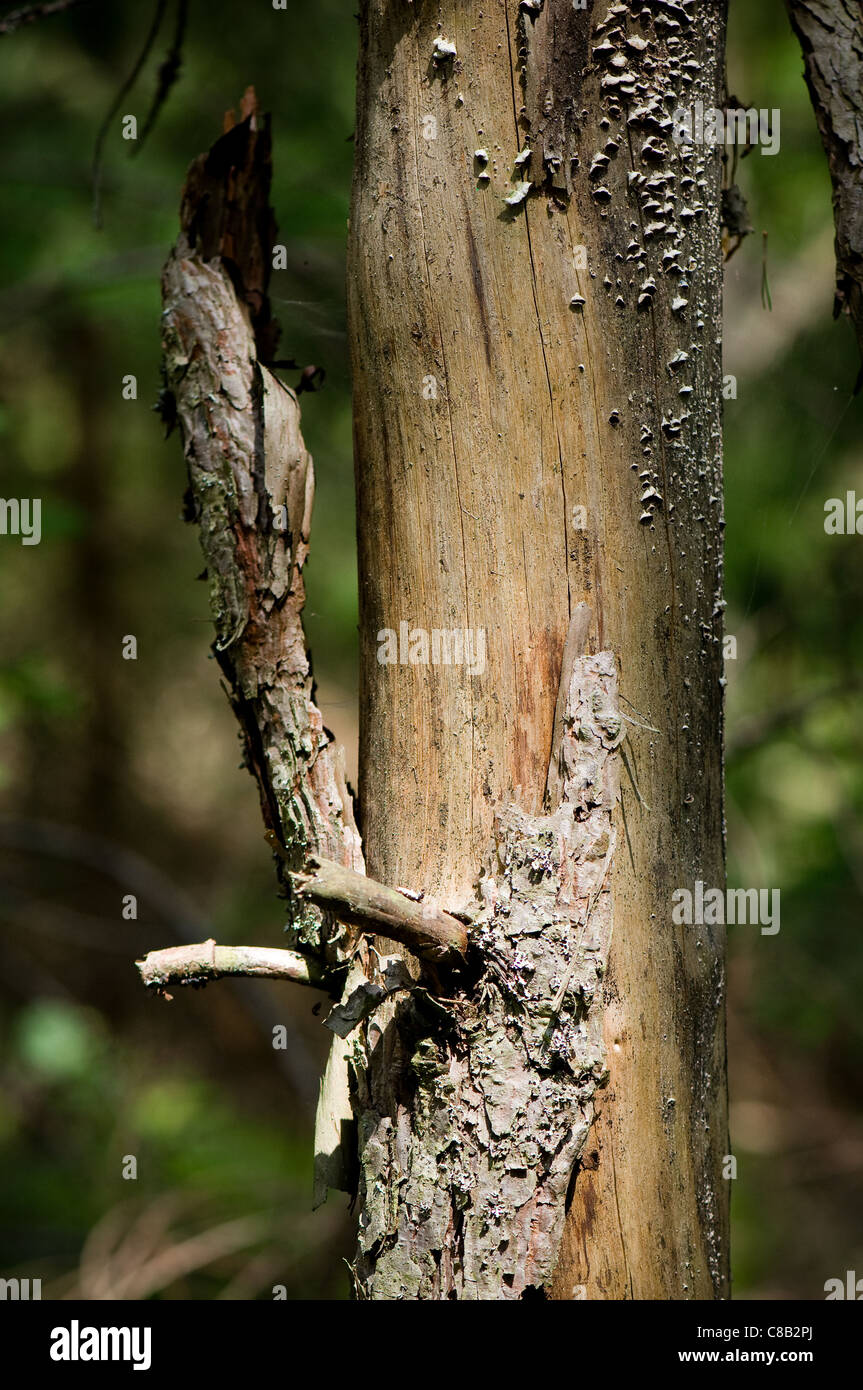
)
(422, 926)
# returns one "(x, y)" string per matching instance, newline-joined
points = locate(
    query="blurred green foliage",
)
(142, 756)
(73, 1100)
(795, 772)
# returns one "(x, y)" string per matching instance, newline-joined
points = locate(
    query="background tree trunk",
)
(831, 37)
(515, 363)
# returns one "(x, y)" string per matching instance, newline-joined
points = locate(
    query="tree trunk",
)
(831, 37)
(537, 374)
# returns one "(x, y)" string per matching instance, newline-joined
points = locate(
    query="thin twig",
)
(28, 14)
(158, 16)
(574, 647)
(638, 724)
(766, 301)
(564, 984)
(168, 74)
(635, 786)
(205, 961)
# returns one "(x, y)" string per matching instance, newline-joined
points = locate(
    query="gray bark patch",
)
(466, 1156)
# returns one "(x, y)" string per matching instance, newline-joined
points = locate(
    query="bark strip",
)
(251, 485)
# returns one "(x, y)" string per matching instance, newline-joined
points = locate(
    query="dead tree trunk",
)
(533, 1095)
(534, 296)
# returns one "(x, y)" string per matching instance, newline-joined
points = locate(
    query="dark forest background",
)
(121, 777)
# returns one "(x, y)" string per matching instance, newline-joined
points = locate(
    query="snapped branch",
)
(422, 926)
(198, 964)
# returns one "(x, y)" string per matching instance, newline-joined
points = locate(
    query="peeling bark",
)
(831, 36)
(469, 1142)
(251, 489)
